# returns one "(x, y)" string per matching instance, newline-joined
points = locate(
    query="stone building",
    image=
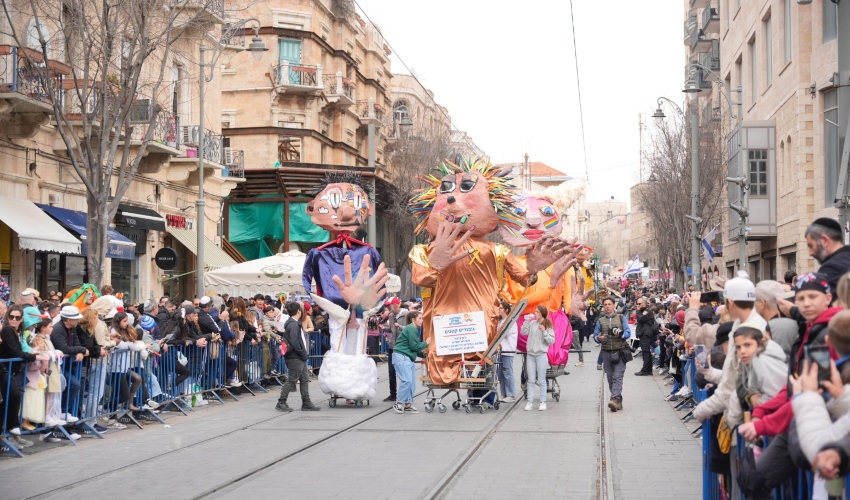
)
(606, 223)
(784, 57)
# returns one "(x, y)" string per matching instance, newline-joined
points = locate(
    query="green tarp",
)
(253, 250)
(251, 225)
(301, 228)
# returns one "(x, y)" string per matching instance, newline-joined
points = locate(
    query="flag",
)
(708, 244)
(634, 268)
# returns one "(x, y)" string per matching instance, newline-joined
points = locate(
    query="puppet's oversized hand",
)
(375, 288)
(543, 254)
(559, 269)
(446, 245)
(354, 290)
(579, 305)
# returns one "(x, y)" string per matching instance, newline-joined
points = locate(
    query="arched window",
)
(33, 40)
(400, 112)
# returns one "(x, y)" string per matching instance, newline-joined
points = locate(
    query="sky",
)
(507, 74)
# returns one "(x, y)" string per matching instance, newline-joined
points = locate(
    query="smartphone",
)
(709, 297)
(819, 354)
(701, 356)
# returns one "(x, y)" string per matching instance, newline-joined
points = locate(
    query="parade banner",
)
(460, 333)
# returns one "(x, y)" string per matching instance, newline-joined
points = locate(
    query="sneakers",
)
(274, 373)
(99, 428)
(69, 418)
(671, 397)
(16, 431)
(283, 407)
(308, 406)
(398, 408)
(21, 442)
(529, 406)
(113, 423)
(598, 367)
(73, 436)
(410, 409)
(234, 382)
(50, 437)
(389, 398)
(49, 422)
(542, 407)
(580, 363)
(684, 391)
(151, 405)
(487, 406)
(509, 399)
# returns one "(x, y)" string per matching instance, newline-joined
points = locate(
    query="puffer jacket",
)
(766, 374)
(819, 424)
(696, 333)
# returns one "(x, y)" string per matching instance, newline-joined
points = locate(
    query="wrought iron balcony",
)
(370, 112)
(190, 135)
(298, 78)
(699, 40)
(690, 26)
(710, 113)
(205, 10)
(234, 163)
(22, 84)
(711, 18)
(86, 99)
(166, 136)
(232, 38)
(703, 78)
(711, 59)
(339, 90)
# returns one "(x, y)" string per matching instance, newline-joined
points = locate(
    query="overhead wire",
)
(578, 84)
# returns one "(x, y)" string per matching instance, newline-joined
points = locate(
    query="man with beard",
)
(825, 240)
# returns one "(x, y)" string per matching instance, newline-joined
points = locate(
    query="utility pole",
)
(842, 196)
(371, 235)
(694, 217)
(200, 205)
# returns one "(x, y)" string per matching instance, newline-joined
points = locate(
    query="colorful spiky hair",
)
(498, 185)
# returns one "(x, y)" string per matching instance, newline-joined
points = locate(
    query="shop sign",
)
(166, 258)
(177, 221)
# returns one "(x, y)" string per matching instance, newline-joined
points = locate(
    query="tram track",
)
(604, 481)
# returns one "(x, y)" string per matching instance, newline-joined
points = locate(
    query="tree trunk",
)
(97, 239)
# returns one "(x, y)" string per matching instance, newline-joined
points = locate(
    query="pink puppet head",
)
(539, 218)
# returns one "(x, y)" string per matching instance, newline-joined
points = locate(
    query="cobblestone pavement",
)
(246, 449)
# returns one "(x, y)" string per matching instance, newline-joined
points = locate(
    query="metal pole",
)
(742, 235)
(695, 244)
(201, 204)
(372, 236)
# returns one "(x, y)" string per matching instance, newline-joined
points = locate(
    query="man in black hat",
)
(825, 240)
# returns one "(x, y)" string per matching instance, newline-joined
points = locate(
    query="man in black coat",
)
(209, 328)
(825, 239)
(296, 361)
(647, 329)
(64, 338)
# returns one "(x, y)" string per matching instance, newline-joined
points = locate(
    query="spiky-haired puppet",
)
(341, 204)
(459, 270)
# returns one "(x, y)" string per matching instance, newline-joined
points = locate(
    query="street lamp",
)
(405, 124)
(257, 49)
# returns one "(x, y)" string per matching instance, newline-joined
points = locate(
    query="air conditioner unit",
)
(191, 134)
(53, 199)
(228, 157)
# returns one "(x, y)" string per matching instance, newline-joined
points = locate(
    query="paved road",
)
(246, 449)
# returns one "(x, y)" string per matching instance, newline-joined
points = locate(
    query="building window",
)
(768, 50)
(830, 20)
(758, 172)
(787, 19)
(754, 71)
(831, 144)
(790, 262)
(33, 39)
(400, 112)
(739, 76)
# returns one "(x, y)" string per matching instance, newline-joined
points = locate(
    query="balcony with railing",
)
(370, 112)
(298, 78)
(690, 26)
(699, 40)
(232, 38)
(21, 79)
(211, 150)
(234, 163)
(203, 10)
(710, 113)
(86, 102)
(711, 59)
(165, 138)
(703, 78)
(339, 90)
(711, 18)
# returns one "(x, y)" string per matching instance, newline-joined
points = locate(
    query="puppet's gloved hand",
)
(353, 290)
(559, 269)
(375, 288)
(446, 244)
(578, 305)
(543, 254)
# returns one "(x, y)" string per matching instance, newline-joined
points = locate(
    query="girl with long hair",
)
(541, 334)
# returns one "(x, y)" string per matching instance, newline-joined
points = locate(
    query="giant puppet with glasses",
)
(460, 271)
(349, 279)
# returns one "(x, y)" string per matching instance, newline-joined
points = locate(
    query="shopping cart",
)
(478, 378)
(552, 386)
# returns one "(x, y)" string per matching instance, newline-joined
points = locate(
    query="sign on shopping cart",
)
(460, 333)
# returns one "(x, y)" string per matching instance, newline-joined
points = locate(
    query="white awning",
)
(35, 229)
(214, 257)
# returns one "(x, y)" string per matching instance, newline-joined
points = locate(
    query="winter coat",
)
(66, 341)
(765, 375)
(10, 347)
(396, 330)
(538, 342)
(408, 343)
(820, 423)
(697, 333)
(646, 326)
(775, 415)
(835, 266)
(784, 331)
(89, 342)
(101, 335)
(207, 325)
(295, 342)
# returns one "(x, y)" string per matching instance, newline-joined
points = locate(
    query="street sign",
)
(166, 258)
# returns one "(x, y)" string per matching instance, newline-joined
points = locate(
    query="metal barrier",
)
(315, 354)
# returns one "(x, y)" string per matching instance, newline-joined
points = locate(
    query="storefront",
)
(27, 232)
(61, 273)
(180, 281)
(134, 223)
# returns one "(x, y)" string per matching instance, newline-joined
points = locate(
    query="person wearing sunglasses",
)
(12, 374)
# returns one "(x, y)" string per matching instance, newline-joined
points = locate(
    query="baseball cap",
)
(740, 289)
(818, 282)
(71, 312)
(33, 316)
(147, 323)
(394, 300)
(187, 310)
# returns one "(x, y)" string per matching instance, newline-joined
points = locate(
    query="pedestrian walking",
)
(507, 382)
(646, 331)
(541, 334)
(407, 348)
(612, 331)
(296, 361)
(396, 317)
